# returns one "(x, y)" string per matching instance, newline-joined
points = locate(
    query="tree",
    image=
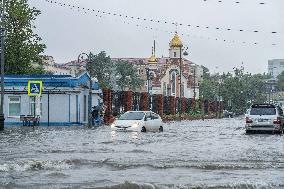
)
(102, 68)
(127, 76)
(280, 82)
(209, 89)
(206, 73)
(22, 45)
(240, 88)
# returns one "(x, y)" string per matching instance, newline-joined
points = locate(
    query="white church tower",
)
(176, 47)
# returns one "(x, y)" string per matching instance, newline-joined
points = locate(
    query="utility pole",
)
(2, 117)
(148, 79)
(269, 92)
(194, 83)
(219, 96)
(219, 99)
(180, 83)
(180, 70)
(90, 71)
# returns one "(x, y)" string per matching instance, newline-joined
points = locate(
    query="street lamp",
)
(180, 70)
(2, 117)
(269, 90)
(194, 82)
(220, 81)
(90, 71)
(148, 79)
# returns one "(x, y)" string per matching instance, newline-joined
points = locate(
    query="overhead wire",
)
(100, 13)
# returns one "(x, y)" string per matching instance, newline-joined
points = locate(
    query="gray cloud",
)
(69, 32)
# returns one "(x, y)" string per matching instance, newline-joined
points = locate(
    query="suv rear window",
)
(262, 111)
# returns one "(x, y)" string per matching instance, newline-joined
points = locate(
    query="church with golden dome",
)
(166, 78)
(161, 75)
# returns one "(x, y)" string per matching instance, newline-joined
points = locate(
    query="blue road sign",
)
(34, 88)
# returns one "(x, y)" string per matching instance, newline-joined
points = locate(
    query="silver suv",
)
(265, 117)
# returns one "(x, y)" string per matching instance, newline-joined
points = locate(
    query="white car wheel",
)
(143, 129)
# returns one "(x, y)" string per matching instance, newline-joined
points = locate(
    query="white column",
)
(37, 106)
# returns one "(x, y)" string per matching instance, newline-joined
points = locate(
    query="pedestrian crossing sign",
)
(34, 88)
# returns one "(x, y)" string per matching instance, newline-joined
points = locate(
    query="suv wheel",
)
(248, 132)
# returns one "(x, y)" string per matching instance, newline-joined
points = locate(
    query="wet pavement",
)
(188, 154)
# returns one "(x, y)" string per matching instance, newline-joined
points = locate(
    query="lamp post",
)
(180, 70)
(148, 79)
(149, 88)
(2, 117)
(220, 81)
(194, 83)
(90, 71)
(268, 91)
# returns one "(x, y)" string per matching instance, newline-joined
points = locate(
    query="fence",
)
(117, 102)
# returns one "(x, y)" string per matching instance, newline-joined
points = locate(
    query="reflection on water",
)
(113, 135)
(129, 134)
(189, 154)
(134, 135)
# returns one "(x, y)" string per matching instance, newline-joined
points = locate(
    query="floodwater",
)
(188, 154)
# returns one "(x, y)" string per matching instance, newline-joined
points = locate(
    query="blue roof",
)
(38, 76)
(50, 80)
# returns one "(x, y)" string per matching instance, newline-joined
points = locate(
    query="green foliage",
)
(101, 67)
(206, 74)
(38, 70)
(280, 82)
(209, 89)
(22, 45)
(127, 76)
(109, 73)
(240, 88)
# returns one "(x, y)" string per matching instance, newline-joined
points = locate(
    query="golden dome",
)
(176, 42)
(152, 59)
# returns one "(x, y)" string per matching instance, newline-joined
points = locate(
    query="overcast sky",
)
(68, 32)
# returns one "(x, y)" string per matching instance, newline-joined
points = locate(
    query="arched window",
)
(175, 54)
(165, 89)
(173, 79)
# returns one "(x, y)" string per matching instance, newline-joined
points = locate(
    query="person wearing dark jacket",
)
(95, 115)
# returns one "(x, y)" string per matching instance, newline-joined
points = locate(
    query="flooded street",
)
(188, 154)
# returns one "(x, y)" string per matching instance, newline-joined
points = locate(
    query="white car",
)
(265, 117)
(138, 121)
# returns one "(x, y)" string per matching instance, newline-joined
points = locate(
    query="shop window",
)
(14, 106)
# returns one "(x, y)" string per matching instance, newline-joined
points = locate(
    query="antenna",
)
(154, 48)
(176, 24)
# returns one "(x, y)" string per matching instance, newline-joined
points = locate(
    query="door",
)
(149, 121)
(156, 121)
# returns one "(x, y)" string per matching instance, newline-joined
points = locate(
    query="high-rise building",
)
(275, 67)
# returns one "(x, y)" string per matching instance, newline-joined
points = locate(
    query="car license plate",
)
(262, 120)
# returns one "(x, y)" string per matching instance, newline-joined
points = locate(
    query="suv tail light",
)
(277, 121)
(248, 120)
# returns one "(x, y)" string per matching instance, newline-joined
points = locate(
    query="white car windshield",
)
(132, 116)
